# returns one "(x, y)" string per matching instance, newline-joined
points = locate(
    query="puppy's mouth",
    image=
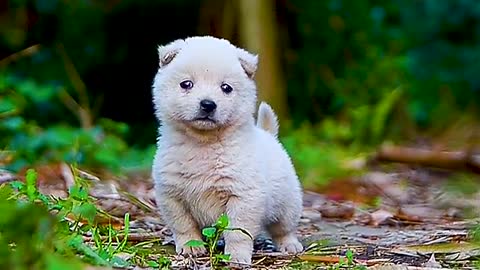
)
(207, 119)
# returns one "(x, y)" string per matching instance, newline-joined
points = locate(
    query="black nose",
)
(208, 106)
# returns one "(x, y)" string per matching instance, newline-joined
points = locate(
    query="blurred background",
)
(346, 77)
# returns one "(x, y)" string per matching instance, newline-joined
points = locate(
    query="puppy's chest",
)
(203, 173)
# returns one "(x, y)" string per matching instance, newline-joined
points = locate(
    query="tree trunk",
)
(258, 34)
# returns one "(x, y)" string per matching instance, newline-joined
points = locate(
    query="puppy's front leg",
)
(244, 213)
(181, 222)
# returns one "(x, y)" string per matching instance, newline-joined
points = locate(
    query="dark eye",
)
(226, 88)
(186, 84)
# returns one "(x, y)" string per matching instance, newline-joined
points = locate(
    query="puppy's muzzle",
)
(208, 106)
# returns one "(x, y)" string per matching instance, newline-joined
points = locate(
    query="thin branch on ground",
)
(453, 160)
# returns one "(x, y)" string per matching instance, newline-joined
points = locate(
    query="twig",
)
(260, 261)
(15, 56)
(71, 104)
(85, 175)
(9, 113)
(84, 111)
(440, 159)
(133, 237)
(141, 204)
(68, 176)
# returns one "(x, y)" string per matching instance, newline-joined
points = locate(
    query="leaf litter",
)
(387, 218)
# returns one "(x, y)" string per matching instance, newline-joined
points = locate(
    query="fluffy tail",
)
(267, 119)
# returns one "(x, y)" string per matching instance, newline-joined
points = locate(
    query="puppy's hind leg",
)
(283, 231)
(286, 240)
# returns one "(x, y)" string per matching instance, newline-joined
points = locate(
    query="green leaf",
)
(63, 227)
(222, 221)
(86, 210)
(165, 262)
(195, 243)
(126, 230)
(126, 221)
(209, 232)
(31, 179)
(5, 192)
(223, 257)
(77, 243)
(119, 262)
(17, 185)
(79, 193)
(349, 255)
(153, 264)
(44, 198)
(104, 253)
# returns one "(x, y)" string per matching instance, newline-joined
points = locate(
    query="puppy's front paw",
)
(182, 247)
(239, 254)
(187, 250)
(289, 244)
(242, 259)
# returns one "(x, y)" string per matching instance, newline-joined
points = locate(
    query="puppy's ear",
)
(248, 61)
(167, 52)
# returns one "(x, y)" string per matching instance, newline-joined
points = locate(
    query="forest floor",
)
(391, 217)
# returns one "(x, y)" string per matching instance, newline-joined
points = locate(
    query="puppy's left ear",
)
(168, 52)
(248, 61)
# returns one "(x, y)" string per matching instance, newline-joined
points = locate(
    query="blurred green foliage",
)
(351, 54)
(36, 128)
(42, 241)
(52, 237)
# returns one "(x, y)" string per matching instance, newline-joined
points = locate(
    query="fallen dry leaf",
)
(403, 267)
(442, 248)
(336, 210)
(319, 258)
(419, 213)
(379, 216)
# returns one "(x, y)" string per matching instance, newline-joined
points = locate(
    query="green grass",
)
(39, 231)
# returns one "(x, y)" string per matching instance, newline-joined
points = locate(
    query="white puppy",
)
(212, 158)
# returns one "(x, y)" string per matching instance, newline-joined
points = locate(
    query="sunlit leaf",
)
(223, 257)
(31, 182)
(87, 211)
(153, 264)
(195, 243)
(209, 232)
(222, 221)
(17, 185)
(78, 193)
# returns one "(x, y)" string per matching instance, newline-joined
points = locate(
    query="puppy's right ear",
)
(167, 52)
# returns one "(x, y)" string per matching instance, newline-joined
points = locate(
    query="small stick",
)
(440, 159)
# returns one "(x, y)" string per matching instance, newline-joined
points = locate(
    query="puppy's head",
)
(204, 83)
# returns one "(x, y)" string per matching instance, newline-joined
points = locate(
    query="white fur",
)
(267, 119)
(203, 169)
